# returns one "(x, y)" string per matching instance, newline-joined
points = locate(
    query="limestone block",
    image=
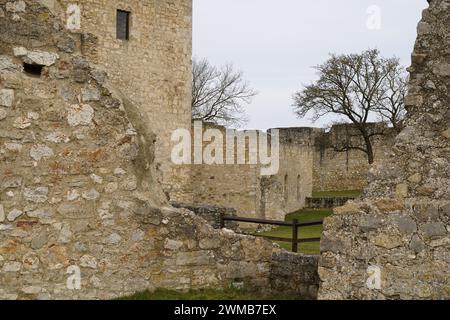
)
(91, 194)
(80, 115)
(6, 227)
(57, 137)
(370, 223)
(401, 190)
(97, 179)
(65, 235)
(328, 244)
(432, 230)
(14, 214)
(423, 28)
(88, 261)
(387, 241)
(40, 151)
(39, 241)
(194, 258)
(6, 97)
(172, 244)
(442, 69)
(114, 239)
(416, 244)
(36, 195)
(415, 178)
(36, 57)
(22, 123)
(2, 213)
(349, 208)
(73, 195)
(12, 266)
(30, 261)
(11, 182)
(414, 100)
(50, 4)
(16, 6)
(16, 147)
(3, 114)
(32, 290)
(7, 65)
(90, 94)
(405, 224)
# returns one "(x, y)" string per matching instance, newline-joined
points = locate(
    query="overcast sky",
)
(275, 43)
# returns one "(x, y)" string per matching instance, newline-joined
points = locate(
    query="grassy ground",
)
(207, 294)
(331, 194)
(304, 215)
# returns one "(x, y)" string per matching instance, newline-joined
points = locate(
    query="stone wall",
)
(82, 214)
(244, 188)
(295, 274)
(394, 243)
(211, 214)
(295, 174)
(345, 170)
(327, 202)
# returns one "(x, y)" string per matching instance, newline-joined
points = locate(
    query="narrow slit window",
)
(123, 25)
(33, 69)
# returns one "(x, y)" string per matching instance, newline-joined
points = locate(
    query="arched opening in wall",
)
(299, 194)
(34, 70)
(286, 193)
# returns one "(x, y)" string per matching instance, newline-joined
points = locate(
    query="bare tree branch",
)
(355, 87)
(219, 95)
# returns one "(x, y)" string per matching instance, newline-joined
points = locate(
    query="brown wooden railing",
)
(294, 224)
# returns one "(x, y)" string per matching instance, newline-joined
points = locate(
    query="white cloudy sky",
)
(275, 43)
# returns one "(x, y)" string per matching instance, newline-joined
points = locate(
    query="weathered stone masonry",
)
(244, 188)
(395, 243)
(78, 186)
(152, 69)
(345, 170)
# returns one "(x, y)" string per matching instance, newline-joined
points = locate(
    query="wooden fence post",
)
(222, 221)
(294, 235)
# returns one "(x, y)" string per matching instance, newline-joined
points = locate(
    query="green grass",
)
(331, 194)
(208, 294)
(304, 215)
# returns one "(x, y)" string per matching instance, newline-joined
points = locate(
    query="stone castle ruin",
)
(308, 161)
(337, 164)
(245, 187)
(90, 93)
(85, 121)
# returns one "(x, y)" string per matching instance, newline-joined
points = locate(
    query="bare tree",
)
(355, 87)
(219, 95)
(391, 107)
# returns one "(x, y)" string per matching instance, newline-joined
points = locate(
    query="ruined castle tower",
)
(395, 244)
(145, 46)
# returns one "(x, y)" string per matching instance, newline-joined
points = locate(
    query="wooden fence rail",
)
(294, 224)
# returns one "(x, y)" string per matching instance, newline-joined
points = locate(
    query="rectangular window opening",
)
(123, 25)
(33, 69)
